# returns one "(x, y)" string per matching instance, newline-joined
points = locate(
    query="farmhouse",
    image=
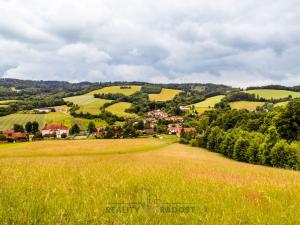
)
(11, 134)
(58, 129)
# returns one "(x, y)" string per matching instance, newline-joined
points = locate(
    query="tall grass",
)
(64, 183)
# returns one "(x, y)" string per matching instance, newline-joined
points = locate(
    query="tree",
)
(284, 155)
(91, 127)
(18, 128)
(35, 127)
(75, 129)
(240, 149)
(28, 127)
(271, 138)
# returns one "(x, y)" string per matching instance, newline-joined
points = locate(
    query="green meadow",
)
(139, 181)
(208, 103)
(275, 94)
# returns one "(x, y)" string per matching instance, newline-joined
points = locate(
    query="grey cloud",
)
(233, 42)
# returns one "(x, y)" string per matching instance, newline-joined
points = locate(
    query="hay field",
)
(93, 107)
(275, 94)
(116, 89)
(139, 181)
(251, 106)
(7, 122)
(208, 103)
(164, 95)
(81, 99)
(119, 109)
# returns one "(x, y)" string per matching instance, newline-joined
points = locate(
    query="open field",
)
(97, 181)
(164, 95)
(281, 104)
(81, 99)
(251, 106)
(208, 103)
(93, 107)
(116, 89)
(7, 122)
(119, 109)
(5, 102)
(275, 94)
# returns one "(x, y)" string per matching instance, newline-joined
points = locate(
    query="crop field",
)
(275, 94)
(164, 95)
(4, 102)
(119, 109)
(251, 106)
(208, 103)
(93, 107)
(139, 181)
(116, 89)
(81, 99)
(7, 122)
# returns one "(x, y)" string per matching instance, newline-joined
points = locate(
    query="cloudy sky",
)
(235, 42)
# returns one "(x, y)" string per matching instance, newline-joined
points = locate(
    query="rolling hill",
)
(208, 103)
(119, 109)
(251, 106)
(116, 89)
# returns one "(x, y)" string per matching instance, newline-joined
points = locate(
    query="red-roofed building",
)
(58, 129)
(174, 129)
(11, 134)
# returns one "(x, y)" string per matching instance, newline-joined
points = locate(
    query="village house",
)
(158, 114)
(174, 118)
(174, 129)
(184, 108)
(58, 129)
(18, 136)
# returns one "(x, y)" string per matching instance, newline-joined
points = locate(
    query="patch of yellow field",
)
(164, 95)
(119, 109)
(275, 94)
(208, 103)
(251, 106)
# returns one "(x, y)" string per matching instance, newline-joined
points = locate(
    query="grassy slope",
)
(72, 182)
(81, 99)
(93, 107)
(281, 104)
(164, 95)
(208, 103)
(119, 109)
(115, 89)
(7, 122)
(245, 105)
(275, 94)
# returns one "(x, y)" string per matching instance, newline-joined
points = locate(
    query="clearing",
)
(95, 182)
(164, 95)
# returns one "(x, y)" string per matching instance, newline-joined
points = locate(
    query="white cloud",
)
(233, 42)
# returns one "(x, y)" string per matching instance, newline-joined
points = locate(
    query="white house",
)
(57, 129)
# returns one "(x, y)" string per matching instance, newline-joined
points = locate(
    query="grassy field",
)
(116, 89)
(275, 94)
(246, 105)
(119, 109)
(81, 99)
(208, 103)
(164, 95)
(7, 122)
(140, 181)
(93, 107)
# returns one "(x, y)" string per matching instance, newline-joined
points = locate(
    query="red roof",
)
(14, 135)
(55, 127)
